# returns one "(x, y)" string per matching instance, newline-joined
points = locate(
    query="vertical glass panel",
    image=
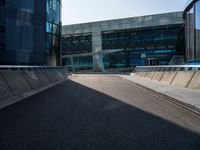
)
(53, 11)
(20, 34)
(197, 26)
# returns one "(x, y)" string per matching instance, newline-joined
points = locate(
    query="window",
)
(53, 11)
(2, 2)
(24, 5)
(197, 27)
(20, 34)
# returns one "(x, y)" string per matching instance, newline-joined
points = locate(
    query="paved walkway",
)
(185, 95)
(98, 112)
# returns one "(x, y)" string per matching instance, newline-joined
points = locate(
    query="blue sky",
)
(81, 11)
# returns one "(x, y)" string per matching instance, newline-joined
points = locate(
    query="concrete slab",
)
(150, 75)
(157, 76)
(43, 78)
(16, 82)
(184, 96)
(182, 78)
(5, 92)
(51, 76)
(195, 82)
(60, 76)
(32, 79)
(168, 77)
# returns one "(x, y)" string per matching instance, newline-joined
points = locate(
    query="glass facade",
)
(23, 31)
(155, 45)
(79, 63)
(53, 29)
(144, 46)
(76, 44)
(192, 30)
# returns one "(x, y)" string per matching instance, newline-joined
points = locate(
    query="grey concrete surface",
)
(183, 95)
(5, 91)
(125, 23)
(32, 79)
(44, 79)
(195, 82)
(98, 112)
(16, 82)
(168, 77)
(182, 79)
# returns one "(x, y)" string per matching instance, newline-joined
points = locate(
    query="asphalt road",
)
(98, 112)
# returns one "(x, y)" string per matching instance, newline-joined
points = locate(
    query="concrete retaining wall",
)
(195, 81)
(182, 78)
(168, 77)
(18, 85)
(186, 79)
(157, 76)
(5, 91)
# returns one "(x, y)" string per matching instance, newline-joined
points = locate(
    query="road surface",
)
(98, 112)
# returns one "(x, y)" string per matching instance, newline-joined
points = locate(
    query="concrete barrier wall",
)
(182, 78)
(18, 85)
(168, 77)
(185, 79)
(157, 76)
(32, 79)
(195, 81)
(5, 91)
(16, 82)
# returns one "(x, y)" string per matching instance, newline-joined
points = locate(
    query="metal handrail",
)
(32, 68)
(166, 68)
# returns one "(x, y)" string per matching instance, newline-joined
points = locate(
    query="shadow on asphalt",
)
(72, 116)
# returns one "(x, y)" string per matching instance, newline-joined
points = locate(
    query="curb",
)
(192, 108)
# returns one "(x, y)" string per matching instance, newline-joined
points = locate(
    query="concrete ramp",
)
(195, 81)
(183, 78)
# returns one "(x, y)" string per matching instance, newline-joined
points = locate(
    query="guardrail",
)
(187, 76)
(32, 68)
(166, 68)
(20, 82)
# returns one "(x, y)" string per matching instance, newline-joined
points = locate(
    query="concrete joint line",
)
(162, 76)
(7, 84)
(174, 78)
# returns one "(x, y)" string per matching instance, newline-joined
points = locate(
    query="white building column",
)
(97, 51)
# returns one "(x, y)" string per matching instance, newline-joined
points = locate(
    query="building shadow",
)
(72, 116)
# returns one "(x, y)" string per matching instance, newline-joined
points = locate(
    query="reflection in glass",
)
(197, 27)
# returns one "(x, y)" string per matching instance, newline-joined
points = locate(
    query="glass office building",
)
(192, 30)
(143, 46)
(139, 47)
(30, 32)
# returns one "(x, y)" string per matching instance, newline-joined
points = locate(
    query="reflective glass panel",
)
(24, 5)
(197, 26)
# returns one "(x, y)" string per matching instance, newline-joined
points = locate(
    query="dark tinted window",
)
(24, 5)
(20, 34)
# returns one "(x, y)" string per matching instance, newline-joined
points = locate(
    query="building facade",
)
(192, 30)
(137, 41)
(30, 32)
